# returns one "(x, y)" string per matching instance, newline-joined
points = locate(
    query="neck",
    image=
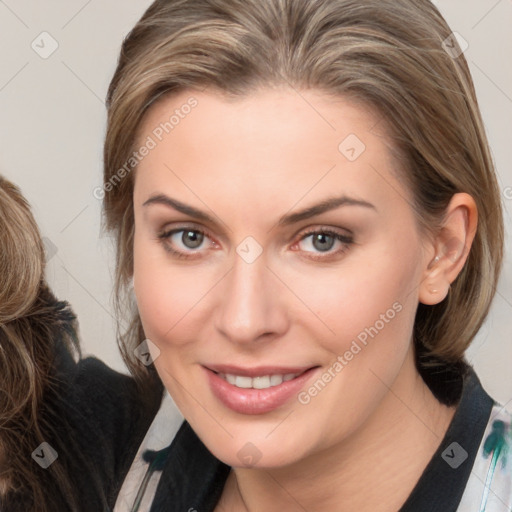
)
(375, 469)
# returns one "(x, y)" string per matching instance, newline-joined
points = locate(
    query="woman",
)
(306, 207)
(68, 430)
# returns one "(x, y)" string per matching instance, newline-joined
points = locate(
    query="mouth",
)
(260, 382)
(257, 390)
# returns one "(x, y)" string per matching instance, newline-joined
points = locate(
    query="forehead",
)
(279, 144)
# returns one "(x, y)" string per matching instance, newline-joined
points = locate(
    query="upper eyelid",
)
(303, 230)
(166, 232)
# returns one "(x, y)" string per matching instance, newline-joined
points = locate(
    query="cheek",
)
(367, 296)
(165, 300)
(169, 296)
(157, 298)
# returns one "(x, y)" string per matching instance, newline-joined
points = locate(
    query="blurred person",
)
(69, 427)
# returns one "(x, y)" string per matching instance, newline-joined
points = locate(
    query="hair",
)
(385, 54)
(31, 319)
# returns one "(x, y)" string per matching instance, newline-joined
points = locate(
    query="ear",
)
(449, 250)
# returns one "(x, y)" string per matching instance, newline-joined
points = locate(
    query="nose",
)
(251, 303)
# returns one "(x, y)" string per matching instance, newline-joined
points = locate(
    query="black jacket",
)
(94, 419)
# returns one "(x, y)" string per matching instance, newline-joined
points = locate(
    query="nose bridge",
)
(248, 305)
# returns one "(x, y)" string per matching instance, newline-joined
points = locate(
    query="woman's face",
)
(281, 325)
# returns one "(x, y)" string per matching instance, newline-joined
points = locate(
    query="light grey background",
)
(53, 121)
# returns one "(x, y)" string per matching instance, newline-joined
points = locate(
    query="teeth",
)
(243, 382)
(275, 380)
(261, 382)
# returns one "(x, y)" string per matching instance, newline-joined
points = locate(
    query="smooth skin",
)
(363, 441)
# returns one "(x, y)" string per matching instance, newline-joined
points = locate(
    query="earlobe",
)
(451, 248)
(435, 287)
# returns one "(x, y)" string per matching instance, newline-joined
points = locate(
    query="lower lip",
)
(256, 401)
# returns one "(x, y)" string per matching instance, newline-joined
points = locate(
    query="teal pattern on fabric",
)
(496, 444)
(489, 488)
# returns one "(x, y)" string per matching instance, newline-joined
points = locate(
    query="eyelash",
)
(164, 236)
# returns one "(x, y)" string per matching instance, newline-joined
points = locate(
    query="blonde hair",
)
(386, 54)
(31, 320)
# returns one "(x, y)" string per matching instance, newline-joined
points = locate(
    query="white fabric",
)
(489, 487)
(160, 434)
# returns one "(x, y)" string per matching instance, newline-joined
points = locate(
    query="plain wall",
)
(53, 121)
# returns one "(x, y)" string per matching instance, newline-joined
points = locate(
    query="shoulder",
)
(113, 399)
(88, 422)
(103, 418)
(95, 395)
(111, 414)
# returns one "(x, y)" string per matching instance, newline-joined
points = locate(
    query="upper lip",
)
(257, 371)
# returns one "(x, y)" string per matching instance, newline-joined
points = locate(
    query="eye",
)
(186, 243)
(323, 240)
(183, 242)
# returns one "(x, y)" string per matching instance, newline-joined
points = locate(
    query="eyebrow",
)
(286, 220)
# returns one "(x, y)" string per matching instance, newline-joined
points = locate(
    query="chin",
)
(258, 450)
